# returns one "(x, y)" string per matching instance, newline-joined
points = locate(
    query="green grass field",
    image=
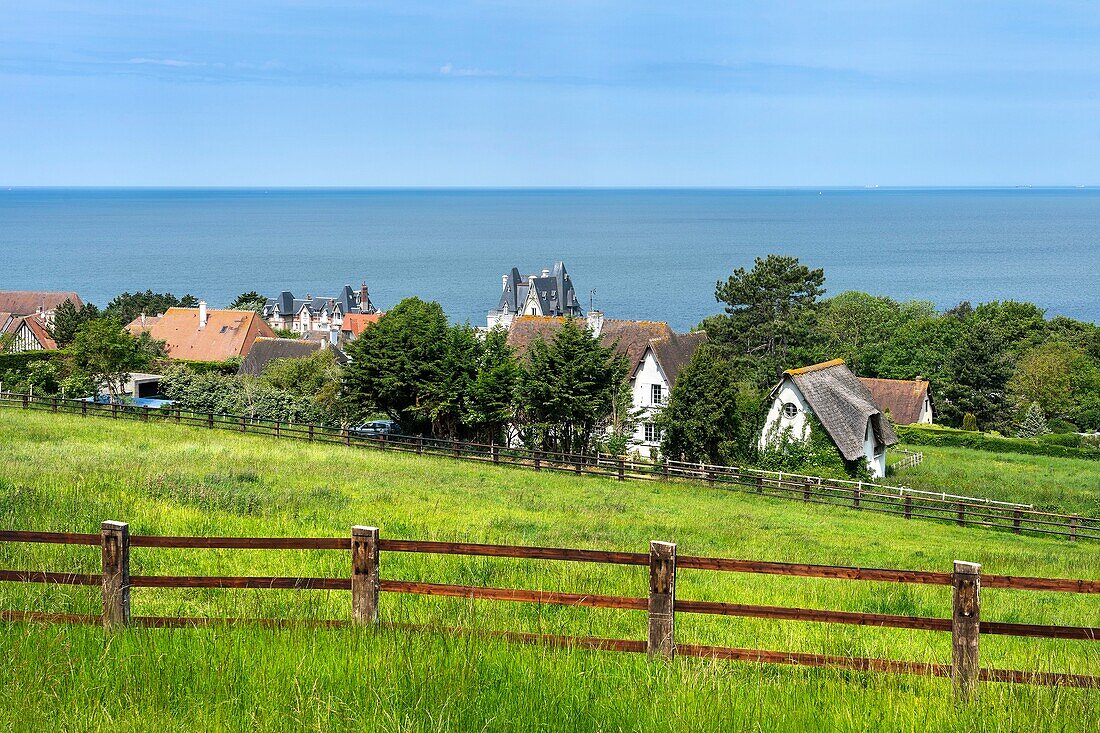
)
(1066, 485)
(65, 473)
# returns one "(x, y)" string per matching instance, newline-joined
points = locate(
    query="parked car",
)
(376, 428)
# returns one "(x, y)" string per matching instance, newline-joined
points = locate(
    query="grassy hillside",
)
(63, 473)
(1052, 484)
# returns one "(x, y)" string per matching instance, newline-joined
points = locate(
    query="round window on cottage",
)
(790, 409)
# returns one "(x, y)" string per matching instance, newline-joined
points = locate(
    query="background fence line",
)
(661, 606)
(860, 495)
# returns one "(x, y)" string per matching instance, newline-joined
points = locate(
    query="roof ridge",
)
(816, 367)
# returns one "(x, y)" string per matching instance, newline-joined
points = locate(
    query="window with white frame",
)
(790, 409)
(657, 394)
(652, 433)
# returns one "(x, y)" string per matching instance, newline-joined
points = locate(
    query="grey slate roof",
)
(555, 292)
(348, 301)
(843, 404)
(266, 349)
(674, 352)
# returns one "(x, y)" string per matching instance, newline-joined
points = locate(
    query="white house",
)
(652, 381)
(656, 355)
(843, 406)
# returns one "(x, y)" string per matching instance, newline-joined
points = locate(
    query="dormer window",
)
(790, 410)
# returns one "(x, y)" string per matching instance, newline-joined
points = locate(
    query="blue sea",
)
(647, 254)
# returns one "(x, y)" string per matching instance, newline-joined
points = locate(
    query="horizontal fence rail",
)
(859, 495)
(661, 607)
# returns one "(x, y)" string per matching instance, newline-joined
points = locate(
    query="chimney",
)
(503, 282)
(143, 319)
(202, 314)
(364, 297)
(594, 320)
(545, 272)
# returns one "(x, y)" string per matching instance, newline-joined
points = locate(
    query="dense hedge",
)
(18, 362)
(229, 366)
(949, 437)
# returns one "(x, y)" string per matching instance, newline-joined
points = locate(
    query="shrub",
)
(970, 422)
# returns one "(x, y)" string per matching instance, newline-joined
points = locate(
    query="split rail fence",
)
(861, 495)
(661, 606)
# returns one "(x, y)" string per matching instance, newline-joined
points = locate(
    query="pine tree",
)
(568, 388)
(970, 422)
(1034, 423)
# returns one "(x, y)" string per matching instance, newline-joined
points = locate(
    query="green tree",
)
(67, 320)
(567, 389)
(127, 306)
(856, 327)
(395, 362)
(1034, 423)
(970, 422)
(286, 333)
(447, 390)
(1018, 326)
(317, 378)
(768, 310)
(250, 301)
(107, 354)
(490, 407)
(702, 420)
(978, 372)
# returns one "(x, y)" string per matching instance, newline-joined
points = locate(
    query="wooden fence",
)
(861, 495)
(661, 606)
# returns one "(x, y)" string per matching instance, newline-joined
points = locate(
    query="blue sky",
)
(562, 93)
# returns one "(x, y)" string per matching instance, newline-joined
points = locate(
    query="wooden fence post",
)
(760, 484)
(347, 437)
(26, 402)
(420, 445)
(278, 428)
(966, 584)
(53, 400)
(145, 414)
(454, 446)
(178, 416)
(243, 424)
(662, 599)
(538, 461)
(364, 574)
(1017, 517)
(115, 541)
(83, 408)
(856, 494)
(961, 518)
(114, 410)
(806, 489)
(1073, 528)
(311, 432)
(909, 506)
(620, 475)
(210, 420)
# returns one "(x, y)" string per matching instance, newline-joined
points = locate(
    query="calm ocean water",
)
(647, 253)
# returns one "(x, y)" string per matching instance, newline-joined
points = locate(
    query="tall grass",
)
(61, 473)
(1065, 485)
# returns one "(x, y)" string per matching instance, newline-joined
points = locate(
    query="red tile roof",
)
(904, 398)
(27, 302)
(227, 334)
(355, 323)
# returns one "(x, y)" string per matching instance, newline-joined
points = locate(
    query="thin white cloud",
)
(175, 63)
